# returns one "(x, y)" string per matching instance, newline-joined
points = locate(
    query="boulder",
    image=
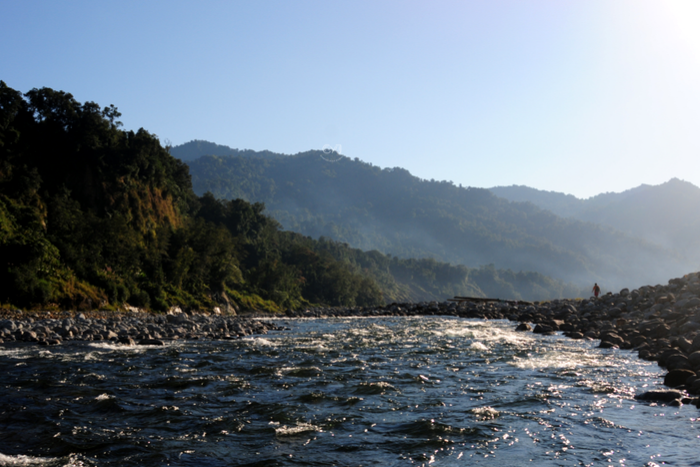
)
(678, 362)
(49, 342)
(682, 343)
(666, 354)
(556, 324)
(660, 396)
(109, 335)
(638, 341)
(656, 331)
(689, 327)
(151, 342)
(612, 338)
(523, 327)
(543, 329)
(675, 378)
(694, 359)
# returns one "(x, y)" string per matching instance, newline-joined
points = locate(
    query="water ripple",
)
(408, 391)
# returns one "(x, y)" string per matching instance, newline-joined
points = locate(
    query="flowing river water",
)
(346, 392)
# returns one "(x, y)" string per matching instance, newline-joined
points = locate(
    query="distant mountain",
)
(394, 212)
(665, 214)
(561, 204)
(197, 148)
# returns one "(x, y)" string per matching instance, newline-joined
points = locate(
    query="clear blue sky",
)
(580, 97)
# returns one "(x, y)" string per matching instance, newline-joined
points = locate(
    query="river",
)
(345, 392)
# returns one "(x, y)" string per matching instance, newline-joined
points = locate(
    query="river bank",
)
(133, 328)
(661, 323)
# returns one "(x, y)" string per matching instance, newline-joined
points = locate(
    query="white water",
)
(398, 391)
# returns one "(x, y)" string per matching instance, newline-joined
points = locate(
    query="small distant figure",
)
(596, 290)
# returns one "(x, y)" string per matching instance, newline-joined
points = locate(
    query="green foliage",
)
(391, 211)
(197, 148)
(93, 216)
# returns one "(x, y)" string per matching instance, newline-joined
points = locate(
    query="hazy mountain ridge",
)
(397, 213)
(197, 148)
(663, 214)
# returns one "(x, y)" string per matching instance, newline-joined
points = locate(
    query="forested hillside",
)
(92, 216)
(665, 214)
(196, 148)
(399, 214)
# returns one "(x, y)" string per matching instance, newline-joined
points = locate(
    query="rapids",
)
(346, 392)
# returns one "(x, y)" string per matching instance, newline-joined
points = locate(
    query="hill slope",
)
(665, 214)
(95, 217)
(92, 217)
(197, 148)
(394, 212)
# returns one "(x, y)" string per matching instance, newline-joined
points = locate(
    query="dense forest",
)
(194, 149)
(392, 211)
(93, 216)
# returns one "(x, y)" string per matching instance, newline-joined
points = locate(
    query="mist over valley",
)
(639, 237)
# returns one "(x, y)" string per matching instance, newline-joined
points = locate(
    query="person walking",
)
(596, 290)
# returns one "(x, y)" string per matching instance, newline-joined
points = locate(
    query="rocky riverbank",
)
(661, 323)
(134, 328)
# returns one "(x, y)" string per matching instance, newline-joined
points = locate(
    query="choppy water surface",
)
(344, 392)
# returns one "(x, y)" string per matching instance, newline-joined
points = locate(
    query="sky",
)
(580, 96)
